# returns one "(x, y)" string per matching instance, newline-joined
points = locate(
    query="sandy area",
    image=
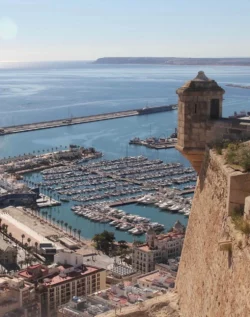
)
(21, 221)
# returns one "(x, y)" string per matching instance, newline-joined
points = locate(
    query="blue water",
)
(37, 92)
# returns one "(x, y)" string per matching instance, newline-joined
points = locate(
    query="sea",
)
(33, 92)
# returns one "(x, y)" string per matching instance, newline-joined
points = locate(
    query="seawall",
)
(214, 281)
(84, 119)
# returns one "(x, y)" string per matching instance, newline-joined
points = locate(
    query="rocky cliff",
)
(214, 274)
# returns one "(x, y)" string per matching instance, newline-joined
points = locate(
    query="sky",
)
(54, 30)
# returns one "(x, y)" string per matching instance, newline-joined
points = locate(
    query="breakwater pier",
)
(84, 119)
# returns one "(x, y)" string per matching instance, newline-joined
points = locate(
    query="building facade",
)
(158, 249)
(8, 253)
(17, 298)
(58, 283)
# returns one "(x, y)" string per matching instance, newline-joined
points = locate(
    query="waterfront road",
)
(65, 122)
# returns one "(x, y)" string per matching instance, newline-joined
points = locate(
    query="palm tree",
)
(66, 226)
(23, 236)
(53, 220)
(74, 230)
(25, 249)
(49, 218)
(29, 240)
(36, 245)
(58, 221)
(79, 233)
(62, 222)
(70, 228)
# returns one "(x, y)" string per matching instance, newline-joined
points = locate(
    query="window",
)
(195, 108)
(215, 109)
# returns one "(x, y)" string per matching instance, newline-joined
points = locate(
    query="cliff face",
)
(212, 282)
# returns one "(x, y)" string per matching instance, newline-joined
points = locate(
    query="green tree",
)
(66, 226)
(36, 245)
(79, 234)
(70, 229)
(104, 241)
(23, 236)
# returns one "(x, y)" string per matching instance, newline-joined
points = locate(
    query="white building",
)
(158, 248)
(68, 257)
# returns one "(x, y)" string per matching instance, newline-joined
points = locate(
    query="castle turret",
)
(200, 100)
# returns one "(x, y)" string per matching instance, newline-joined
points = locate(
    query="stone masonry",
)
(200, 119)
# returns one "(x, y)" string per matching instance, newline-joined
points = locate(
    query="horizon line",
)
(91, 60)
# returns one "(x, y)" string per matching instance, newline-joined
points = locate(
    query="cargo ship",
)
(149, 110)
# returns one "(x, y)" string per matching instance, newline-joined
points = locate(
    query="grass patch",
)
(240, 223)
(237, 153)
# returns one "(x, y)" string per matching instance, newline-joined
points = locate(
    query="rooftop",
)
(200, 83)
(62, 274)
(4, 245)
(157, 278)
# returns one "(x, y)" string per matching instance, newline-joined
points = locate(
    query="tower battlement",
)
(200, 121)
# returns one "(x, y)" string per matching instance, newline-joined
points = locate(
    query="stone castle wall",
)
(212, 282)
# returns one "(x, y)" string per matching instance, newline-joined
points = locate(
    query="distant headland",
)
(175, 61)
(238, 86)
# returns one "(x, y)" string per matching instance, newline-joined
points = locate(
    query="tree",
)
(104, 241)
(29, 240)
(138, 242)
(66, 226)
(62, 222)
(23, 236)
(74, 230)
(36, 245)
(70, 228)
(79, 234)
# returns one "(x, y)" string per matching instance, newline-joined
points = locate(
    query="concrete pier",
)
(75, 120)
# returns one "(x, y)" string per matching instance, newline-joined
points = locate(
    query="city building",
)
(158, 248)
(58, 283)
(157, 280)
(8, 253)
(15, 194)
(17, 298)
(82, 307)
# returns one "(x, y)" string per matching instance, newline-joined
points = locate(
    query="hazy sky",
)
(36, 30)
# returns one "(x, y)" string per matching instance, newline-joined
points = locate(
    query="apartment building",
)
(158, 248)
(17, 298)
(58, 283)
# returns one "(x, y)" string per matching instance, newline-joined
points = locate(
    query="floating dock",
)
(79, 120)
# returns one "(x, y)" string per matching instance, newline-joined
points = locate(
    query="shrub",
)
(240, 223)
(238, 154)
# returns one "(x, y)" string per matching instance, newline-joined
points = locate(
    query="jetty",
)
(80, 120)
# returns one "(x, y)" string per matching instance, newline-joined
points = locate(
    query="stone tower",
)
(150, 238)
(200, 102)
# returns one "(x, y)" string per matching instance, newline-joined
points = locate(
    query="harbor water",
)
(53, 91)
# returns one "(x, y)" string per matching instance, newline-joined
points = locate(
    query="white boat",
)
(126, 227)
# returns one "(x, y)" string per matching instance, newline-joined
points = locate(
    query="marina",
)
(156, 143)
(92, 190)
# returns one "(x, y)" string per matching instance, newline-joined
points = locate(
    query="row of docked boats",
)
(102, 213)
(169, 201)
